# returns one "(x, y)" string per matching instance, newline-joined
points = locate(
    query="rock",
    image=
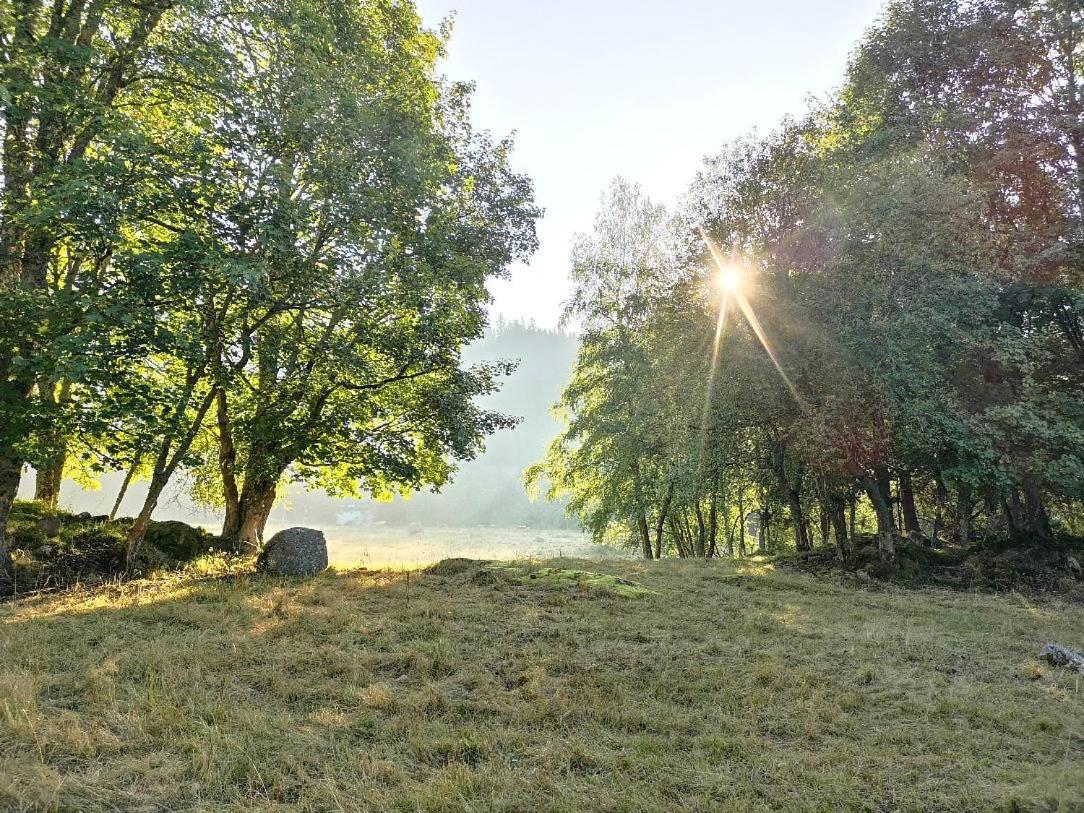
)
(1074, 566)
(50, 526)
(294, 552)
(178, 541)
(1057, 655)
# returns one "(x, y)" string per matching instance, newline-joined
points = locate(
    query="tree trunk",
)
(884, 485)
(701, 547)
(886, 526)
(797, 519)
(47, 480)
(940, 497)
(257, 499)
(11, 470)
(660, 524)
(143, 519)
(741, 523)
(50, 474)
(227, 468)
(124, 487)
(1036, 519)
(823, 510)
(765, 527)
(645, 536)
(165, 465)
(679, 538)
(963, 516)
(713, 527)
(837, 507)
(911, 524)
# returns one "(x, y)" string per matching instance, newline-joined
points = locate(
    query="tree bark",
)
(645, 536)
(940, 497)
(837, 508)
(1036, 519)
(701, 548)
(886, 525)
(257, 498)
(47, 480)
(797, 520)
(963, 516)
(50, 474)
(660, 524)
(741, 523)
(763, 530)
(169, 457)
(11, 470)
(143, 520)
(911, 525)
(227, 467)
(124, 487)
(824, 520)
(713, 527)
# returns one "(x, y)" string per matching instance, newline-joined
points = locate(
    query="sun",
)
(729, 279)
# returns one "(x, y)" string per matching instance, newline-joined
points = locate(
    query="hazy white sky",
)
(599, 88)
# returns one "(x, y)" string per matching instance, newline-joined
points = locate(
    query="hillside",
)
(726, 687)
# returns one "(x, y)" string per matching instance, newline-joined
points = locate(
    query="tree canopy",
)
(869, 317)
(244, 240)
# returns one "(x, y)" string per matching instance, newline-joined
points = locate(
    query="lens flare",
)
(729, 279)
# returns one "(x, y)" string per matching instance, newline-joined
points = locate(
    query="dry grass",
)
(730, 688)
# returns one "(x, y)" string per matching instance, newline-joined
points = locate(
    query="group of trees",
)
(246, 240)
(900, 346)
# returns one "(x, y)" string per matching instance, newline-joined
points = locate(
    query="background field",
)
(405, 547)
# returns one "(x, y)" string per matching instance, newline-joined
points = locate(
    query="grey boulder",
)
(50, 526)
(1058, 655)
(294, 552)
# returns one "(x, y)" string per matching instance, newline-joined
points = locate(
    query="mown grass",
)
(728, 688)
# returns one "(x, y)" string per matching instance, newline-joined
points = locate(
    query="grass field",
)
(726, 688)
(406, 547)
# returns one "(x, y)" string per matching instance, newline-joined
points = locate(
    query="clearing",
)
(720, 687)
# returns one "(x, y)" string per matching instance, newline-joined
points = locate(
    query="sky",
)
(600, 88)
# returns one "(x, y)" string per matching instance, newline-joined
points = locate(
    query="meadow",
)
(721, 686)
(403, 546)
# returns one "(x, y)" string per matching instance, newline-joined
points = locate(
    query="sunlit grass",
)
(728, 687)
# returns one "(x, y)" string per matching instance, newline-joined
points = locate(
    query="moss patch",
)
(525, 574)
(560, 577)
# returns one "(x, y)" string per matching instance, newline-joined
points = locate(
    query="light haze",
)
(599, 88)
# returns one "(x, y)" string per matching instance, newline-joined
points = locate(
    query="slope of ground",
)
(719, 687)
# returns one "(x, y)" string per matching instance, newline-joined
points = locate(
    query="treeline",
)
(244, 242)
(890, 336)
